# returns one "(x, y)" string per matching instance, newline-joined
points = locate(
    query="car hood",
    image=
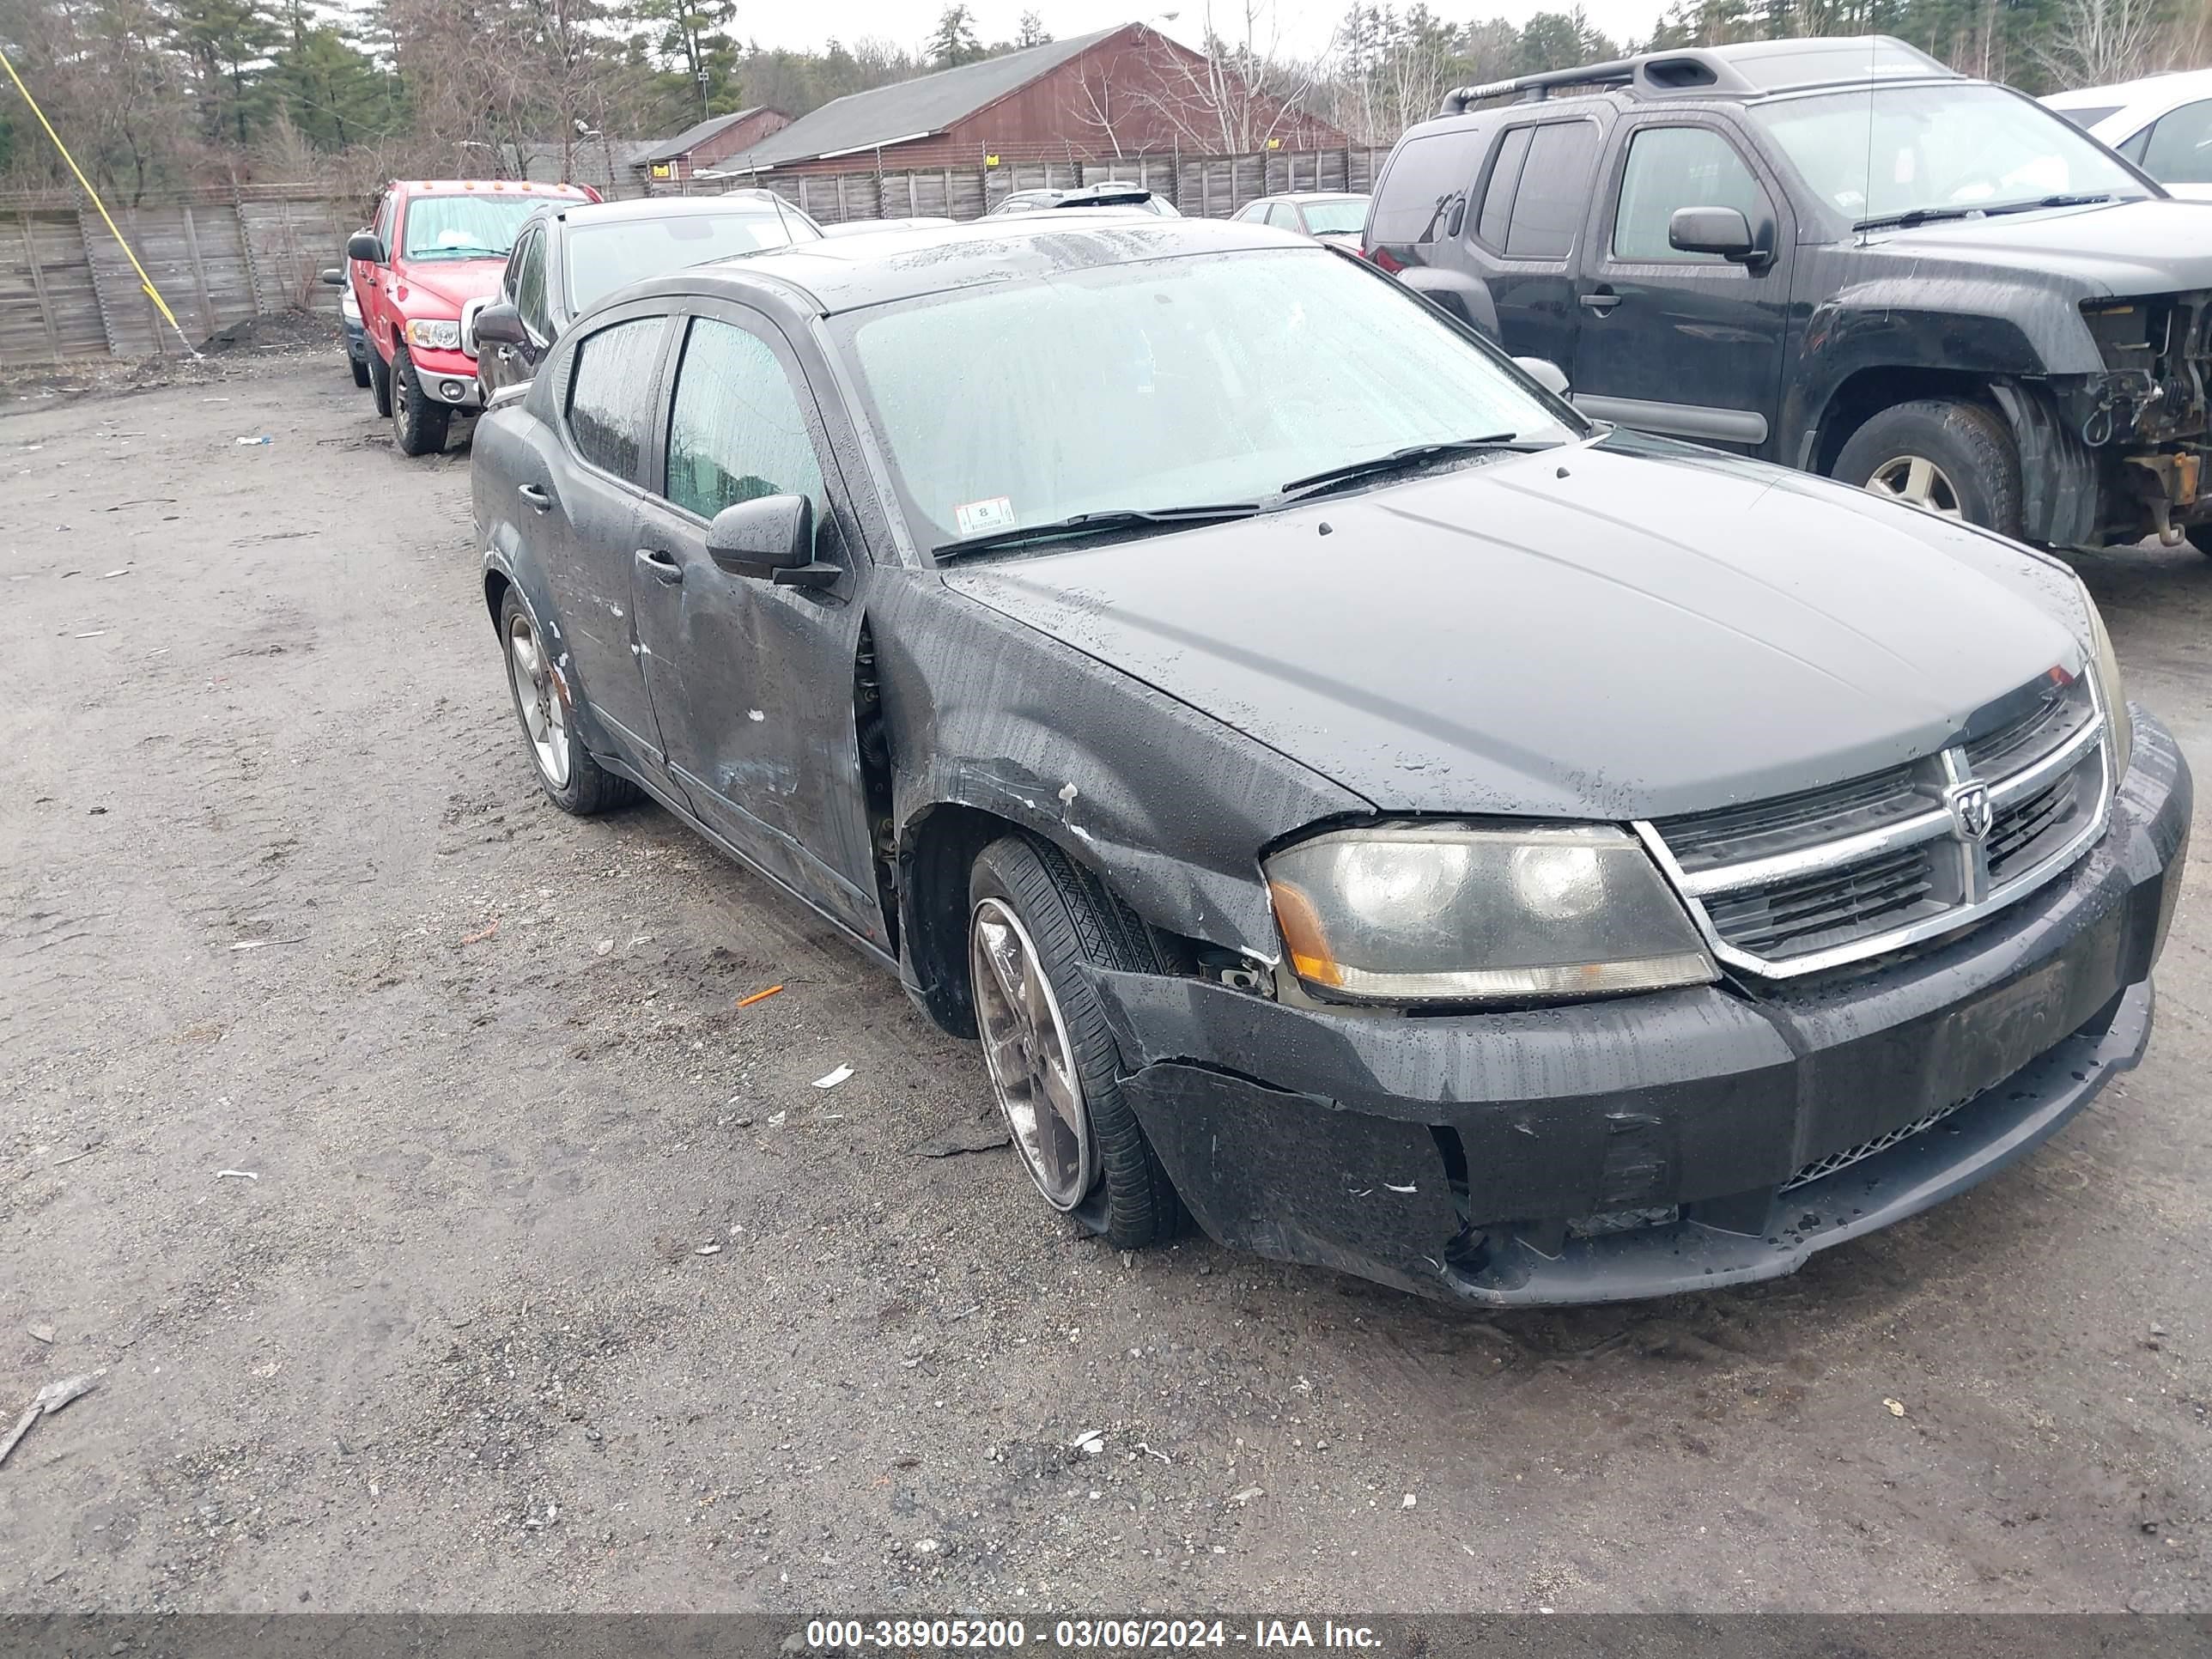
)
(1588, 632)
(456, 281)
(2152, 246)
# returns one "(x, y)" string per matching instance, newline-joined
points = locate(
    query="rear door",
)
(583, 522)
(753, 682)
(1532, 202)
(1684, 344)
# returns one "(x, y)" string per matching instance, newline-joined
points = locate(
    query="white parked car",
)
(2162, 123)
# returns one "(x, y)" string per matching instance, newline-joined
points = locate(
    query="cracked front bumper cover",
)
(1680, 1140)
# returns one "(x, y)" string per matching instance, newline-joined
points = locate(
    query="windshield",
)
(465, 227)
(1888, 151)
(1345, 216)
(605, 257)
(1164, 384)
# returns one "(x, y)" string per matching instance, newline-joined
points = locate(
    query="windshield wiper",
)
(1920, 215)
(2053, 202)
(1398, 460)
(1164, 518)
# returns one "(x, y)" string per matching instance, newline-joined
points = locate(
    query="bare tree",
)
(1239, 94)
(2094, 42)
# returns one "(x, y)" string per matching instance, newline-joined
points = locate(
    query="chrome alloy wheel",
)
(1032, 1063)
(1917, 481)
(538, 694)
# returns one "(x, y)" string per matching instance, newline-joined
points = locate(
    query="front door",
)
(753, 683)
(582, 521)
(1684, 344)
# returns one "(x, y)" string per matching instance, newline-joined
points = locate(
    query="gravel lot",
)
(280, 897)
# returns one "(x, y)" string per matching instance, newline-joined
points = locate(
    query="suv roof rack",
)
(1748, 70)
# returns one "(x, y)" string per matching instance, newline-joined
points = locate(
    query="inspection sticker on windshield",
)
(973, 518)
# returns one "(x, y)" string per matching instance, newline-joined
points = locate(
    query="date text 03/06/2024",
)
(1084, 1635)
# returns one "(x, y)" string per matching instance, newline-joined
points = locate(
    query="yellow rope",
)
(144, 281)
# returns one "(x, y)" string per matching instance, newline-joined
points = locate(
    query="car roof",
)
(2154, 95)
(665, 207)
(845, 273)
(489, 187)
(1313, 196)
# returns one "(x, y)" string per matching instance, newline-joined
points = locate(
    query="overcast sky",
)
(1301, 27)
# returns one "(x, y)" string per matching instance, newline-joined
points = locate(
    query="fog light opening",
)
(451, 391)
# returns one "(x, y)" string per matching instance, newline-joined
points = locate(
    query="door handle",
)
(661, 565)
(537, 495)
(1601, 301)
(506, 354)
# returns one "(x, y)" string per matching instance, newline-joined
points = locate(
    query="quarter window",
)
(736, 431)
(2180, 148)
(611, 395)
(1427, 179)
(1672, 167)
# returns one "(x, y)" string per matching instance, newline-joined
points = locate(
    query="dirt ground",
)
(364, 1120)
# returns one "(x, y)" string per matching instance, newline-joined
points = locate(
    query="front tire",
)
(1952, 458)
(1035, 922)
(546, 706)
(418, 426)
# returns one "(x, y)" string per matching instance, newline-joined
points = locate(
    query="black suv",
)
(1839, 255)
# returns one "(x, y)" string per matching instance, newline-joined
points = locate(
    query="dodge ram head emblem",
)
(1971, 812)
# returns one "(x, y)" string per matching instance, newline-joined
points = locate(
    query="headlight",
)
(2110, 689)
(1454, 912)
(349, 307)
(437, 335)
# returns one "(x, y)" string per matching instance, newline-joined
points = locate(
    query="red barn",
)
(699, 148)
(1121, 92)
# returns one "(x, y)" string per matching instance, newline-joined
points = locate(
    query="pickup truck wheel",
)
(1034, 921)
(2200, 537)
(379, 383)
(1952, 458)
(418, 425)
(545, 703)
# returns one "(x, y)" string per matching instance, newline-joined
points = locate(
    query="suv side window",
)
(735, 430)
(1490, 225)
(1555, 191)
(2180, 148)
(1426, 180)
(529, 287)
(1672, 167)
(610, 394)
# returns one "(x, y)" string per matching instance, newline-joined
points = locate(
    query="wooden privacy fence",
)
(66, 290)
(219, 257)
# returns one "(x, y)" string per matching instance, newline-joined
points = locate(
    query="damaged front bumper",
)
(1681, 1140)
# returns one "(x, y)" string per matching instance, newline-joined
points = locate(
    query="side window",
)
(2180, 148)
(1555, 191)
(1504, 179)
(529, 287)
(1426, 180)
(611, 391)
(387, 216)
(1671, 167)
(1253, 213)
(736, 431)
(1283, 216)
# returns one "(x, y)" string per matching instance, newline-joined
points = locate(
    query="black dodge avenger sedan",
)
(1360, 805)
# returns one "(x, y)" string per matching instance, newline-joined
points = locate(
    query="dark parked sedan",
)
(570, 256)
(1353, 799)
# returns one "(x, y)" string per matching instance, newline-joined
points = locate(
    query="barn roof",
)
(910, 109)
(667, 149)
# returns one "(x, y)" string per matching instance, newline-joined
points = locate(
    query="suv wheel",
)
(379, 382)
(1035, 922)
(1943, 456)
(417, 424)
(571, 779)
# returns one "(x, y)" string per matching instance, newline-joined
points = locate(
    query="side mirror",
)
(335, 275)
(1544, 372)
(500, 323)
(366, 245)
(770, 538)
(1721, 230)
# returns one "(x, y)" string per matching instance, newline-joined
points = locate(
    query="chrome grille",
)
(1827, 877)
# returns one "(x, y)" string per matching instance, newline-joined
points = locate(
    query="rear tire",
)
(547, 707)
(418, 426)
(1031, 910)
(1943, 455)
(379, 382)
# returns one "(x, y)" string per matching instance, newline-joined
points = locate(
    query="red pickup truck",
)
(432, 256)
